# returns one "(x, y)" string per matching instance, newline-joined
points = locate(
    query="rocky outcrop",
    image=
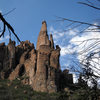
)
(39, 67)
(7, 58)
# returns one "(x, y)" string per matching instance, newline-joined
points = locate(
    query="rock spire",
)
(43, 36)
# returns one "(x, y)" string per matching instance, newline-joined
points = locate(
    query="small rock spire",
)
(43, 36)
(51, 40)
(10, 40)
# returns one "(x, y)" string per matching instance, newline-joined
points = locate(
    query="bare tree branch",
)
(9, 27)
(89, 5)
(74, 21)
(9, 12)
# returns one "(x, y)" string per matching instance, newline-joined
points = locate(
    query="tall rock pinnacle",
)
(44, 27)
(43, 36)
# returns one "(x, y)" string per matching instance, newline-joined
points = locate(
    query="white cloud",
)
(73, 42)
(75, 78)
(56, 33)
(91, 35)
(72, 32)
(1, 39)
(84, 48)
(74, 39)
(67, 50)
(7, 37)
(59, 33)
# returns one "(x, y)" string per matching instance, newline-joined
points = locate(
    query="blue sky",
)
(29, 14)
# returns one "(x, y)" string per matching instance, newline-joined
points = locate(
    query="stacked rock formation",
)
(40, 67)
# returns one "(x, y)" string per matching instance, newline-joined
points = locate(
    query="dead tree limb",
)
(89, 5)
(9, 27)
(75, 21)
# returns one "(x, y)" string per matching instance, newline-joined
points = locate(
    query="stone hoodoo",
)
(39, 67)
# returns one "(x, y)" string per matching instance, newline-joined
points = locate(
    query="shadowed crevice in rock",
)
(46, 72)
(21, 71)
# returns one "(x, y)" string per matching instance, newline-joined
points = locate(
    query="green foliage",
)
(15, 90)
